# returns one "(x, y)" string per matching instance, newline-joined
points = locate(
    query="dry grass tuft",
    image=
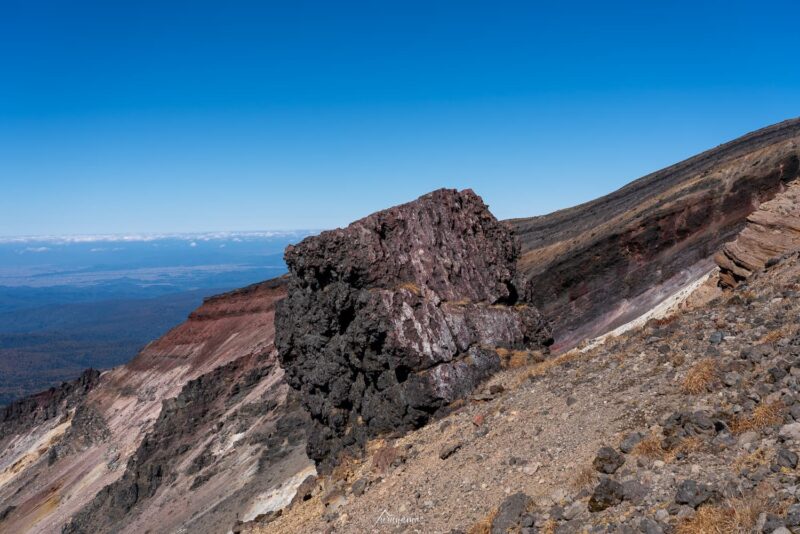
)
(649, 447)
(699, 377)
(549, 527)
(484, 526)
(514, 359)
(665, 321)
(410, 286)
(685, 446)
(759, 457)
(737, 516)
(777, 334)
(586, 477)
(764, 415)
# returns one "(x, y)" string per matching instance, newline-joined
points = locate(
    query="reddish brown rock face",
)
(395, 316)
(596, 266)
(771, 231)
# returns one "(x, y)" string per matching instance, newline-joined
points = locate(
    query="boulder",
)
(391, 319)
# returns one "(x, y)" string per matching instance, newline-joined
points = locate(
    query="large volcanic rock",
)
(397, 315)
(771, 231)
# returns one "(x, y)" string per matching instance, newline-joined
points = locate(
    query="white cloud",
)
(128, 238)
(192, 244)
(36, 249)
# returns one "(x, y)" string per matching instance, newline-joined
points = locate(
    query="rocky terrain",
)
(402, 377)
(690, 424)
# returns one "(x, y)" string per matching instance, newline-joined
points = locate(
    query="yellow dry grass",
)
(410, 286)
(736, 516)
(649, 447)
(764, 415)
(549, 526)
(515, 359)
(484, 526)
(585, 478)
(699, 377)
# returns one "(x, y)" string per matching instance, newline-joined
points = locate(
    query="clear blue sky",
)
(190, 116)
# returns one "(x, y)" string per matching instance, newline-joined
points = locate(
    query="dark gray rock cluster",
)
(394, 317)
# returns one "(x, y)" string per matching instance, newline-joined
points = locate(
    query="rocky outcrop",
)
(197, 431)
(203, 409)
(599, 265)
(392, 318)
(34, 410)
(771, 231)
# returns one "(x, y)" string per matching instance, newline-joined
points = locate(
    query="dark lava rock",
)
(385, 321)
(772, 523)
(630, 441)
(608, 460)
(31, 411)
(359, 486)
(306, 489)
(693, 494)
(607, 494)
(448, 450)
(510, 513)
(786, 458)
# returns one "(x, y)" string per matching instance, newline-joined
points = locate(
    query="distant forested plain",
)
(66, 305)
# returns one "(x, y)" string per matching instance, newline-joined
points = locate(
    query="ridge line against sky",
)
(154, 117)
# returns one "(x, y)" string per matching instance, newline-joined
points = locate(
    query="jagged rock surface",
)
(34, 410)
(397, 315)
(771, 231)
(597, 266)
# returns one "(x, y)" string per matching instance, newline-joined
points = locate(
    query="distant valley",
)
(69, 303)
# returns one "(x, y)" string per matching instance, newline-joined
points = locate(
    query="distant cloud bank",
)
(130, 238)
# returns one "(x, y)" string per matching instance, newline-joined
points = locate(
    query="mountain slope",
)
(598, 265)
(227, 395)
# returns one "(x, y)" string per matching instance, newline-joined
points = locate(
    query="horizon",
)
(151, 118)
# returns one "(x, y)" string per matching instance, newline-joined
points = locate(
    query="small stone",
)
(607, 494)
(634, 491)
(781, 530)
(571, 400)
(510, 513)
(786, 458)
(630, 441)
(662, 515)
(790, 431)
(359, 486)
(478, 420)
(496, 389)
(747, 438)
(531, 469)
(693, 494)
(574, 510)
(772, 523)
(448, 450)
(716, 338)
(608, 460)
(648, 526)
(732, 379)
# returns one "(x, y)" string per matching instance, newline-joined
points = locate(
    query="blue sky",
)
(196, 116)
